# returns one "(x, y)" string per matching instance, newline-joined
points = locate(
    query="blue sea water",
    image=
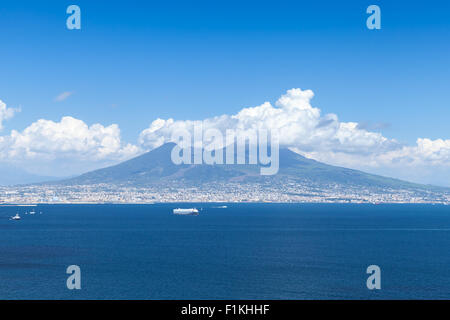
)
(246, 251)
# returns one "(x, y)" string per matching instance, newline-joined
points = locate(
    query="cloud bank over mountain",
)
(322, 137)
(300, 126)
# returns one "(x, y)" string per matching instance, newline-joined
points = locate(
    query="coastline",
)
(217, 202)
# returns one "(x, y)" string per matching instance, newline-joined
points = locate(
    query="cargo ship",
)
(189, 212)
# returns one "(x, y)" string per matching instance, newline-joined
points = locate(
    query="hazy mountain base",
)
(11, 175)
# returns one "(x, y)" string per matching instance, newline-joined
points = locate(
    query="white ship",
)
(16, 217)
(190, 211)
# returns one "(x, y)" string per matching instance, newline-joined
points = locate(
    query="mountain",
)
(156, 168)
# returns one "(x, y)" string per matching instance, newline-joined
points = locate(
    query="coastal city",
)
(226, 192)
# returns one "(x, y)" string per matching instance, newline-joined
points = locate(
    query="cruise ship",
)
(190, 211)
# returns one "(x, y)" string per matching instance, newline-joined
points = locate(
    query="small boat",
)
(189, 212)
(16, 217)
(32, 212)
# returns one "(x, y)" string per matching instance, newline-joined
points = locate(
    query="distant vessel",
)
(190, 211)
(32, 212)
(16, 217)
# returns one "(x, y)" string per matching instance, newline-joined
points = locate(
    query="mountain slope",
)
(156, 167)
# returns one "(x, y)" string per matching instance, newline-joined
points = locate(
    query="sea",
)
(243, 251)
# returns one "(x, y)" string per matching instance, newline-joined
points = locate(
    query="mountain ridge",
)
(155, 167)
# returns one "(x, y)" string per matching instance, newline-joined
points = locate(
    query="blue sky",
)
(135, 61)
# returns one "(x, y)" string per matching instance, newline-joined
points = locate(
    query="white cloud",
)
(5, 113)
(68, 138)
(68, 143)
(63, 96)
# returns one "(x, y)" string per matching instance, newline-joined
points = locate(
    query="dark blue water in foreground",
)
(247, 251)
